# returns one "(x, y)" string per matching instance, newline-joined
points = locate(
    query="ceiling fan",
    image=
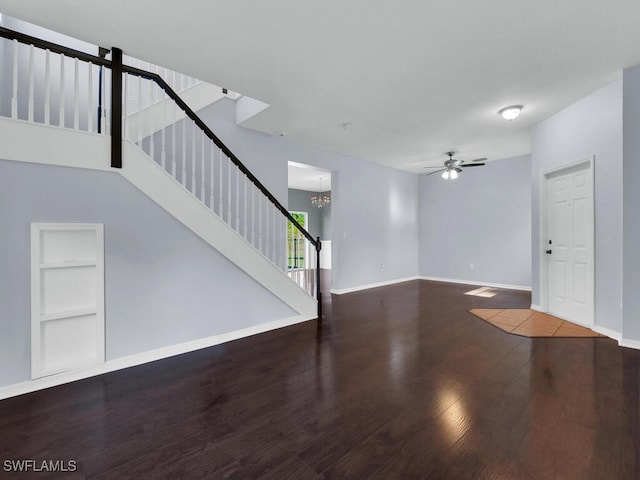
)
(453, 167)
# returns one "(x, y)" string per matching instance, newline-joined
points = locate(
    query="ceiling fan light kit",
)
(451, 173)
(453, 167)
(511, 112)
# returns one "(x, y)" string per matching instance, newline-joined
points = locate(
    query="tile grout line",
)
(557, 329)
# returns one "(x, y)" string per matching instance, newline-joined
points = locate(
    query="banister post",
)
(318, 290)
(116, 108)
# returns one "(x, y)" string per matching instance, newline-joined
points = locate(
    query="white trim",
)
(543, 228)
(596, 328)
(92, 151)
(341, 291)
(169, 194)
(73, 148)
(475, 282)
(37, 314)
(625, 342)
(537, 308)
(145, 357)
(607, 332)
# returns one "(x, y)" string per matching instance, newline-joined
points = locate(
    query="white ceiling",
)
(413, 79)
(306, 177)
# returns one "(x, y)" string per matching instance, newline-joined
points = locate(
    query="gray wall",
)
(163, 284)
(481, 218)
(319, 218)
(374, 218)
(592, 126)
(631, 199)
(325, 222)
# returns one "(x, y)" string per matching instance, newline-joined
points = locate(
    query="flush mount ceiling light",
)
(510, 112)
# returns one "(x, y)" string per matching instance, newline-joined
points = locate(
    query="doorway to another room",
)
(310, 201)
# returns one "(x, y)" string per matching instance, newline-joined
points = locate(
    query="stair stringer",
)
(164, 190)
(70, 148)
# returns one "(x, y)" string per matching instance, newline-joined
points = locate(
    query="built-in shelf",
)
(67, 297)
(68, 314)
(68, 264)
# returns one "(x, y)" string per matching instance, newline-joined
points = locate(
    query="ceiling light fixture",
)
(320, 200)
(511, 112)
(451, 172)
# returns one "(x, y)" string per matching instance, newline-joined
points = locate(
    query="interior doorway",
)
(310, 191)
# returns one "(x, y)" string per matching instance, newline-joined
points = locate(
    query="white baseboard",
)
(625, 342)
(608, 333)
(601, 330)
(340, 291)
(475, 282)
(537, 308)
(144, 357)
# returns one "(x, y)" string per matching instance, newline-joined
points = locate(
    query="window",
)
(296, 242)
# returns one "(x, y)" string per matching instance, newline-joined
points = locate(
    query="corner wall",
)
(482, 219)
(591, 126)
(374, 213)
(631, 199)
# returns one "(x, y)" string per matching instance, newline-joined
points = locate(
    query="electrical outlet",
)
(472, 266)
(382, 267)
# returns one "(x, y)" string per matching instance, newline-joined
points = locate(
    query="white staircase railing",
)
(58, 86)
(62, 89)
(185, 150)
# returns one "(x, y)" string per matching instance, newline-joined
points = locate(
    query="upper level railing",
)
(52, 84)
(59, 86)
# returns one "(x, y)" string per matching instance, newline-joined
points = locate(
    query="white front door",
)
(569, 244)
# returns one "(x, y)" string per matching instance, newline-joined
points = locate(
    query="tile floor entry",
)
(530, 323)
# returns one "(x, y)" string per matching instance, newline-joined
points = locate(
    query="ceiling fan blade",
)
(478, 160)
(431, 173)
(440, 166)
(472, 165)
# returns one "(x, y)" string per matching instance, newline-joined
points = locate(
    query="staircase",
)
(134, 123)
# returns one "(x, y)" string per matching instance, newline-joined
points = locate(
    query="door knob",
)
(548, 252)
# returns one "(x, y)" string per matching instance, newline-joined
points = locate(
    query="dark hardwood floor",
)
(401, 382)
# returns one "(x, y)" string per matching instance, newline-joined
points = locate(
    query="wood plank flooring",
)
(402, 382)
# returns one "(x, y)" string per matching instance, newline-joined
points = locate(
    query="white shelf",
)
(68, 314)
(68, 264)
(67, 297)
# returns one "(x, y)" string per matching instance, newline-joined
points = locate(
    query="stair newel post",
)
(318, 290)
(116, 108)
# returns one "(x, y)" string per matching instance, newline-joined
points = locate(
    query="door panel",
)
(570, 231)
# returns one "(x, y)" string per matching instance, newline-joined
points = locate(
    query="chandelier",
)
(320, 199)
